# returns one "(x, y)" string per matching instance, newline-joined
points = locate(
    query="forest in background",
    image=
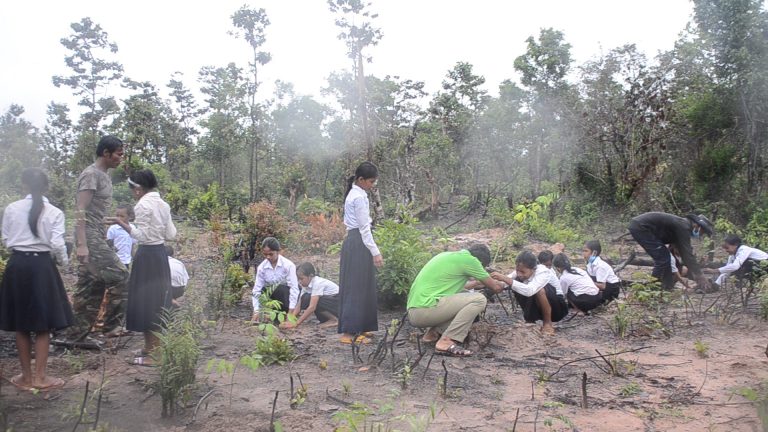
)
(684, 131)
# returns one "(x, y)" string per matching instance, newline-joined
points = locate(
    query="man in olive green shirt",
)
(438, 300)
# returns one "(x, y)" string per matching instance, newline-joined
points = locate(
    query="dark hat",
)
(703, 222)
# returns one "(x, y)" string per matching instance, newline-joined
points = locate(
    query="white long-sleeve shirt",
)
(179, 275)
(357, 216)
(122, 241)
(284, 272)
(743, 253)
(153, 220)
(579, 283)
(319, 286)
(602, 271)
(554, 281)
(539, 279)
(50, 229)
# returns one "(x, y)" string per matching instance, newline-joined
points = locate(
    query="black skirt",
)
(531, 310)
(585, 302)
(358, 301)
(149, 288)
(32, 295)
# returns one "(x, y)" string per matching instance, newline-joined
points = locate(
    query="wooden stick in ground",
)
(514, 425)
(272, 417)
(610, 365)
(101, 391)
(584, 391)
(82, 406)
(445, 379)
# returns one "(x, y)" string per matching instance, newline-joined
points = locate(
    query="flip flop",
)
(454, 351)
(55, 384)
(15, 381)
(359, 340)
(142, 361)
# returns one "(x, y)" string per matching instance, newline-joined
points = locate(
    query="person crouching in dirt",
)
(179, 276)
(601, 272)
(545, 259)
(437, 299)
(279, 273)
(579, 289)
(320, 297)
(742, 260)
(654, 230)
(534, 293)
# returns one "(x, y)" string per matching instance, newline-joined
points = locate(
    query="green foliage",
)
(405, 252)
(263, 219)
(623, 320)
(235, 283)
(629, 390)
(648, 293)
(714, 169)
(273, 349)
(207, 204)
(314, 206)
(177, 357)
(756, 234)
(702, 348)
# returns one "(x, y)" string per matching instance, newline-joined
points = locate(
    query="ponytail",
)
(350, 182)
(37, 183)
(562, 262)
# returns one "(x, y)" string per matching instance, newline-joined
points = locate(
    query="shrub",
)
(323, 230)
(273, 349)
(262, 219)
(236, 282)
(405, 252)
(177, 357)
(206, 204)
(757, 229)
(313, 206)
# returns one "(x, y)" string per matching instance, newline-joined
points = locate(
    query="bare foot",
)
(547, 330)
(20, 382)
(48, 383)
(430, 336)
(329, 323)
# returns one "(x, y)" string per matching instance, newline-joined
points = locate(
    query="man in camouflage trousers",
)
(100, 296)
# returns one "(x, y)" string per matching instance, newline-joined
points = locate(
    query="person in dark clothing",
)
(654, 230)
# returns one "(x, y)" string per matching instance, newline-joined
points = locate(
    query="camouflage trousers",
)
(100, 297)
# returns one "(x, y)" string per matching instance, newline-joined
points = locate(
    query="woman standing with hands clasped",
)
(149, 287)
(358, 315)
(32, 295)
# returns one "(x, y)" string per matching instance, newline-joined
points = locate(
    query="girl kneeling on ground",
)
(581, 292)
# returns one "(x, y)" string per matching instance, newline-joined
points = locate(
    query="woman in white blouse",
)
(577, 285)
(358, 302)
(149, 287)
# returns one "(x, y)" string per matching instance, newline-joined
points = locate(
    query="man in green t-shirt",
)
(438, 300)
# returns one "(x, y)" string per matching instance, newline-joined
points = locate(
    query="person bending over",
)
(742, 259)
(601, 272)
(179, 275)
(279, 274)
(319, 296)
(437, 299)
(534, 293)
(579, 289)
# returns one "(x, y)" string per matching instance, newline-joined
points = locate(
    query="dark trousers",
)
(327, 306)
(662, 260)
(282, 293)
(585, 302)
(746, 271)
(611, 291)
(531, 310)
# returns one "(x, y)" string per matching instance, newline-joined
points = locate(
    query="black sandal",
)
(454, 351)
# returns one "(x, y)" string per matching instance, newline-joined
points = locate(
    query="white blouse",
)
(153, 220)
(284, 272)
(357, 216)
(50, 229)
(579, 283)
(319, 286)
(602, 271)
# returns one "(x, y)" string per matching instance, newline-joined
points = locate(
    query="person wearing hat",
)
(654, 230)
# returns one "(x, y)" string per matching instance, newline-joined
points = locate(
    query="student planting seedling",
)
(319, 297)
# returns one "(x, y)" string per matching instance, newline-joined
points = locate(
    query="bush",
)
(757, 229)
(405, 252)
(313, 206)
(273, 349)
(236, 282)
(323, 231)
(262, 219)
(206, 204)
(177, 357)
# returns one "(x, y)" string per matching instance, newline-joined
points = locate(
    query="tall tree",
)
(19, 145)
(250, 24)
(93, 71)
(186, 111)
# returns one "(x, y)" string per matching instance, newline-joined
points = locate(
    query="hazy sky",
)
(422, 38)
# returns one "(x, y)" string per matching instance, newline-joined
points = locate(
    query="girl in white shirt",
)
(319, 296)
(579, 289)
(358, 303)
(149, 286)
(32, 295)
(741, 259)
(601, 272)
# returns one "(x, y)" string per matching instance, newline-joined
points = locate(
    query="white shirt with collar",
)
(602, 271)
(579, 283)
(357, 216)
(554, 280)
(153, 220)
(540, 278)
(50, 229)
(122, 241)
(735, 261)
(284, 272)
(319, 286)
(179, 276)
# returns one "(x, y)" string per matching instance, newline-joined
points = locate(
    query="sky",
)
(422, 39)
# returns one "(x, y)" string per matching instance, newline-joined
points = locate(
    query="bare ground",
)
(518, 379)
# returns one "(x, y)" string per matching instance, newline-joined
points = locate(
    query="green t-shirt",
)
(445, 274)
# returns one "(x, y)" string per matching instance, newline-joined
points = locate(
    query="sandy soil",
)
(518, 380)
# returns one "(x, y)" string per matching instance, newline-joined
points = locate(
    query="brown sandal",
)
(454, 351)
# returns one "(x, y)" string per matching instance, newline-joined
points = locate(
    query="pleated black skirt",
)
(32, 295)
(149, 288)
(358, 300)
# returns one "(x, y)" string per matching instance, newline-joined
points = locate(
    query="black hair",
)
(545, 256)
(481, 252)
(271, 243)
(128, 209)
(562, 262)
(169, 250)
(108, 143)
(36, 182)
(306, 269)
(144, 178)
(733, 240)
(366, 170)
(594, 246)
(526, 259)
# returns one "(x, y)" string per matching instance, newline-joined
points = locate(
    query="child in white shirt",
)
(579, 289)
(601, 272)
(319, 296)
(120, 238)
